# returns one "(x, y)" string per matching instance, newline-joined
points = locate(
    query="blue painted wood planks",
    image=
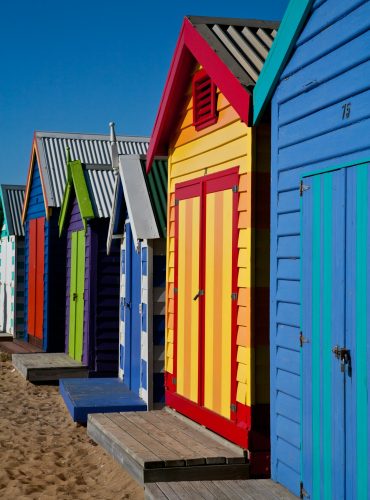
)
(98, 395)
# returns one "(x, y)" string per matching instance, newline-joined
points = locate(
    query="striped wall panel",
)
(121, 368)
(329, 68)
(7, 283)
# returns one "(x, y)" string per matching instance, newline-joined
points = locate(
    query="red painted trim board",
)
(235, 432)
(192, 48)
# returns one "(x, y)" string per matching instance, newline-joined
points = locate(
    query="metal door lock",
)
(343, 355)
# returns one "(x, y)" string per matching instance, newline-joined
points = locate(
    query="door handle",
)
(200, 292)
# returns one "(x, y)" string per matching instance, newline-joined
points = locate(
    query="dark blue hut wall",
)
(55, 283)
(19, 320)
(35, 209)
(159, 298)
(54, 267)
(330, 67)
(104, 311)
(74, 224)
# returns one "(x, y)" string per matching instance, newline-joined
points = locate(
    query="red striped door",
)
(36, 278)
(204, 383)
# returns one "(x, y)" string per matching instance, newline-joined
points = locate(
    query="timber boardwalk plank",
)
(158, 446)
(256, 489)
(17, 346)
(48, 367)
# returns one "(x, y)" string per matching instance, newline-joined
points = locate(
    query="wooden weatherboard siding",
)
(53, 274)
(320, 120)
(290, 28)
(97, 323)
(36, 210)
(143, 276)
(227, 146)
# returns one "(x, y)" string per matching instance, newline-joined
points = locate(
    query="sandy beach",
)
(44, 455)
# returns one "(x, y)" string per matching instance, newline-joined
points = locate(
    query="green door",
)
(76, 308)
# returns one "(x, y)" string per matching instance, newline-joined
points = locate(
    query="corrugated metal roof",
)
(13, 198)
(156, 181)
(100, 183)
(88, 148)
(242, 44)
(156, 186)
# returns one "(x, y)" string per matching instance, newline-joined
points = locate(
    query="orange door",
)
(204, 382)
(36, 278)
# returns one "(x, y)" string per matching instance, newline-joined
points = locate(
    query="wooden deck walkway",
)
(256, 489)
(16, 346)
(159, 446)
(6, 337)
(48, 367)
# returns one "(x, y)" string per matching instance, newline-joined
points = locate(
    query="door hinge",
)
(176, 202)
(140, 308)
(234, 296)
(175, 290)
(302, 492)
(302, 339)
(302, 188)
(174, 380)
(235, 189)
(233, 408)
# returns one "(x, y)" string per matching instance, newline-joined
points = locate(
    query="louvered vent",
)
(204, 101)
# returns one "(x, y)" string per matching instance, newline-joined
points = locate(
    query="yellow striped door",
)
(187, 308)
(218, 304)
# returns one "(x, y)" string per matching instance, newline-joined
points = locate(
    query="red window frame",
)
(204, 101)
(235, 428)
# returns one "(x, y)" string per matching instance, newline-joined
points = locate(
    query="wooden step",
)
(48, 367)
(159, 446)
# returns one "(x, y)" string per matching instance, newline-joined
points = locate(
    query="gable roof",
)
(93, 186)
(48, 149)
(12, 198)
(291, 26)
(145, 197)
(232, 52)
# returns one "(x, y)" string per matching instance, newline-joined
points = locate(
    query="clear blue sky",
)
(75, 65)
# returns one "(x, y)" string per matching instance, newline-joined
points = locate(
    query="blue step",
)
(98, 395)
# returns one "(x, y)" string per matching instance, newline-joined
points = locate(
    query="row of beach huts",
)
(219, 268)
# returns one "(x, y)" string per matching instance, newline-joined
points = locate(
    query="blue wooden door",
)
(335, 273)
(132, 304)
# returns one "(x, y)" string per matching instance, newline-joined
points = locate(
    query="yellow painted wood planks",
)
(188, 286)
(218, 302)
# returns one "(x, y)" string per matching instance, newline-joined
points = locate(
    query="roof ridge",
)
(252, 23)
(81, 135)
(19, 187)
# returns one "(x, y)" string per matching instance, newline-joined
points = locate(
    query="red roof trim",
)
(191, 46)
